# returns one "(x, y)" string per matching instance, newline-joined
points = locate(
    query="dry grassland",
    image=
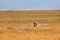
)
(19, 25)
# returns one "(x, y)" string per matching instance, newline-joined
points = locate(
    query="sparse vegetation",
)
(47, 28)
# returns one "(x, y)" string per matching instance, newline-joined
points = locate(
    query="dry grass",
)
(18, 25)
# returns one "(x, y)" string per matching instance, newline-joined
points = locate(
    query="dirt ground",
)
(19, 25)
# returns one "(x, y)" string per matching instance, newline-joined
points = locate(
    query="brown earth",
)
(18, 25)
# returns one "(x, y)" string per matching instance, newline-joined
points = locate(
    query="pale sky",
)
(29, 4)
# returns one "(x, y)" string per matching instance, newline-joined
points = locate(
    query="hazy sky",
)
(29, 4)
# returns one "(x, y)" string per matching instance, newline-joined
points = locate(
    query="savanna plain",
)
(19, 25)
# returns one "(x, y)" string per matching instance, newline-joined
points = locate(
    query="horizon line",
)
(26, 10)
